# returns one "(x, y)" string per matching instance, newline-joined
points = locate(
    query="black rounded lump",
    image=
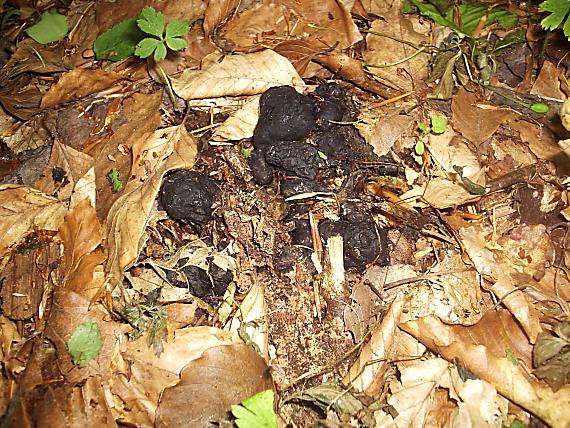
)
(363, 242)
(189, 196)
(284, 115)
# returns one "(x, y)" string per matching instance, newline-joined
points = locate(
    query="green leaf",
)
(177, 28)
(471, 15)
(438, 124)
(51, 27)
(420, 147)
(118, 42)
(558, 10)
(115, 180)
(151, 21)
(423, 127)
(431, 12)
(517, 424)
(85, 343)
(256, 411)
(146, 47)
(176, 43)
(540, 108)
(160, 52)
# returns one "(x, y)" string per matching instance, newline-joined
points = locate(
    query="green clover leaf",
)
(176, 44)
(177, 28)
(146, 47)
(151, 22)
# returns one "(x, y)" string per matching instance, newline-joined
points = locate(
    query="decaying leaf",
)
(490, 359)
(551, 356)
(222, 376)
(235, 75)
(22, 210)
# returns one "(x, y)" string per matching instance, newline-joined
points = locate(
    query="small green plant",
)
(256, 411)
(438, 125)
(131, 37)
(85, 343)
(152, 23)
(558, 11)
(114, 179)
(50, 28)
(149, 316)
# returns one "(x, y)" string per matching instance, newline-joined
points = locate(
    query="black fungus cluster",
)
(296, 133)
(189, 196)
(207, 285)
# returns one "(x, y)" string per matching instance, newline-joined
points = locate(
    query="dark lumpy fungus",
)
(189, 196)
(363, 242)
(206, 285)
(284, 115)
(262, 172)
(295, 157)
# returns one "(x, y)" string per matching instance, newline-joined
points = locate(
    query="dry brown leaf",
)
(235, 75)
(63, 405)
(76, 84)
(328, 21)
(23, 210)
(239, 125)
(75, 165)
(216, 13)
(384, 47)
(299, 52)
(547, 84)
(449, 151)
(543, 143)
(441, 193)
(168, 149)
(143, 375)
(251, 319)
(382, 132)
(142, 116)
(497, 351)
(527, 250)
(81, 235)
(222, 376)
(417, 398)
(474, 123)
(368, 377)
(28, 135)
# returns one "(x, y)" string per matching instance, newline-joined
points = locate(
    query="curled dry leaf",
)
(235, 75)
(250, 321)
(168, 149)
(474, 123)
(76, 84)
(417, 396)
(216, 13)
(382, 132)
(81, 233)
(507, 260)
(368, 377)
(240, 124)
(143, 376)
(501, 358)
(23, 209)
(222, 376)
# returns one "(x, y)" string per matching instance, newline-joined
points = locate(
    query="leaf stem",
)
(166, 81)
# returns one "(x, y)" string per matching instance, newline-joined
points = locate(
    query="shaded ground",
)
(356, 207)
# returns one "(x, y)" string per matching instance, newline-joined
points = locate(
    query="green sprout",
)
(114, 179)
